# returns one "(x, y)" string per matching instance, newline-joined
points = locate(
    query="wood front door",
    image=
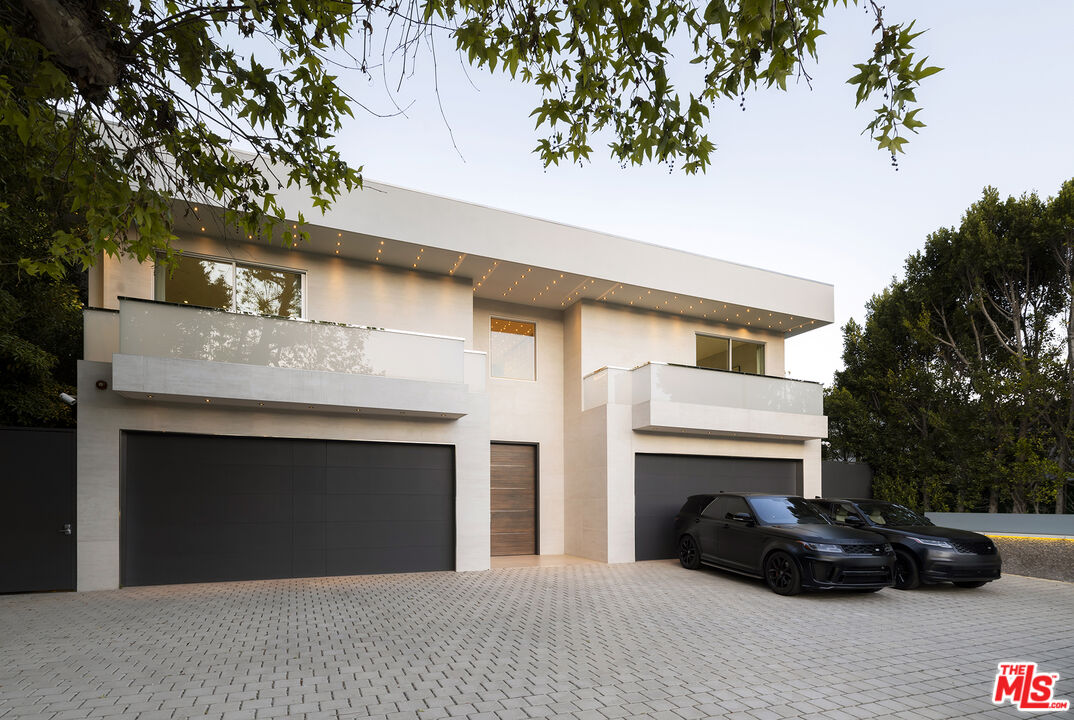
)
(514, 499)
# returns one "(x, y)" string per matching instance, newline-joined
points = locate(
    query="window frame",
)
(532, 322)
(730, 351)
(158, 285)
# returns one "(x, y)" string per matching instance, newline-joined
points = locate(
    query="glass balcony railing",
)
(685, 384)
(683, 399)
(158, 329)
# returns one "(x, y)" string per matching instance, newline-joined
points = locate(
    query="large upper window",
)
(726, 354)
(229, 285)
(513, 349)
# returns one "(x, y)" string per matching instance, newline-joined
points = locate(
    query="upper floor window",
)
(230, 285)
(727, 354)
(513, 349)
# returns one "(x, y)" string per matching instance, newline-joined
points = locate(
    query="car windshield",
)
(883, 513)
(786, 511)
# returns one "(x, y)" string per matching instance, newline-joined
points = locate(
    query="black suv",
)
(783, 539)
(924, 552)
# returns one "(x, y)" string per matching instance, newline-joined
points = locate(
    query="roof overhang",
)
(519, 259)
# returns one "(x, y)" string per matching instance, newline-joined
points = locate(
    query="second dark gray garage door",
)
(663, 482)
(208, 508)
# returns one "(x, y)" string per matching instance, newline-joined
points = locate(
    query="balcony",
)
(688, 400)
(182, 353)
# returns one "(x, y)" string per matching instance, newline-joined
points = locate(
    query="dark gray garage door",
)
(206, 508)
(663, 482)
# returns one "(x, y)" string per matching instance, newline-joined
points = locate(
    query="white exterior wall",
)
(104, 414)
(532, 411)
(600, 442)
(617, 336)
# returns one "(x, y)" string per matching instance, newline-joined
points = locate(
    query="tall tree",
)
(1060, 219)
(989, 298)
(895, 407)
(131, 105)
(40, 316)
(961, 378)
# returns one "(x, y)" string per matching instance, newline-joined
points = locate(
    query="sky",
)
(793, 187)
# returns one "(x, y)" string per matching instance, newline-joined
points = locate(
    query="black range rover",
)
(924, 552)
(782, 539)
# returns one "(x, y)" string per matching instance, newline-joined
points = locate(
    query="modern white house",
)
(423, 385)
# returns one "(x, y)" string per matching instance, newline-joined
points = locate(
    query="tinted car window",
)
(786, 511)
(694, 504)
(883, 513)
(722, 508)
(839, 512)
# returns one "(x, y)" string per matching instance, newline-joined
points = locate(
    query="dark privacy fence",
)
(846, 479)
(1015, 523)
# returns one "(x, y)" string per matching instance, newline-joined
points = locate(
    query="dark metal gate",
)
(37, 509)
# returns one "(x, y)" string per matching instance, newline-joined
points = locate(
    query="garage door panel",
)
(374, 508)
(233, 451)
(385, 481)
(309, 563)
(253, 478)
(309, 507)
(307, 479)
(663, 482)
(229, 508)
(255, 539)
(200, 508)
(363, 561)
(215, 567)
(309, 454)
(310, 536)
(387, 534)
(388, 456)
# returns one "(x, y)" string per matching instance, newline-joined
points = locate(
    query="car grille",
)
(975, 547)
(863, 549)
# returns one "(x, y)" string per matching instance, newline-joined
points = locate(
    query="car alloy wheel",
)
(907, 576)
(689, 552)
(781, 574)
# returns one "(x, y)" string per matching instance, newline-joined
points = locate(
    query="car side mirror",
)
(743, 517)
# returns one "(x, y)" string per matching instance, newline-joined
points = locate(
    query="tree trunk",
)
(1018, 500)
(77, 45)
(993, 500)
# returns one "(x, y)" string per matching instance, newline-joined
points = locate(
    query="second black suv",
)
(783, 539)
(924, 552)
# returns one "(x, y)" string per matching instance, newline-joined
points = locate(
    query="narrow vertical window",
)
(513, 349)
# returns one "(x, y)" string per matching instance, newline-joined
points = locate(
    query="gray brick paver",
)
(593, 642)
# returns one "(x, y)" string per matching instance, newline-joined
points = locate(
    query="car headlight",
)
(822, 547)
(932, 543)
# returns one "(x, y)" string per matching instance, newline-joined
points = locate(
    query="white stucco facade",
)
(408, 284)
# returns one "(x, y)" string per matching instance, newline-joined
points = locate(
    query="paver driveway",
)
(586, 641)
